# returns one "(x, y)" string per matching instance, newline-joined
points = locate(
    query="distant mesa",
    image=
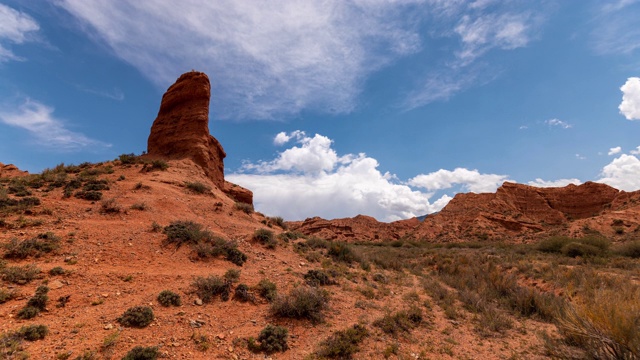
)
(181, 131)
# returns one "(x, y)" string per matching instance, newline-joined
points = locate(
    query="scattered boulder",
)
(10, 171)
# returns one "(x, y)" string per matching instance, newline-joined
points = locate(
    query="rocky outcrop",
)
(10, 170)
(358, 228)
(517, 210)
(181, 129)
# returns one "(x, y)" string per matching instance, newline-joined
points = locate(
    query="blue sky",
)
(337, 108)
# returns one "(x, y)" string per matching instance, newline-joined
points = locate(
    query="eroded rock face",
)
(181, 129)
(10, 170)
(517, 209)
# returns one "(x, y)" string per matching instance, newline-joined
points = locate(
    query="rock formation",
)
(10, 170)
(181, 131)
(515, 212)
(357, 228)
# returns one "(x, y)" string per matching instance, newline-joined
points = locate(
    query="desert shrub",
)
(553, 244)
(301, 303)
(212, 286)
(185, 232)
(343, 344)
(379, 277)
(492, 320)
(141, 206)
(89, 195)
(318, 278)
(198, 187)
(27, 312)
(404, 321)
(272, 338)
(267, 289)
(232, 275)
(604, 324)
(43, 243)
(243, 294)
(630, 249)
(279, 221)
(110, 206)
(96, 185)
(128, 159)
(137, 316)
(244, 207)
(575, 249)
(316, 243)
(201, 341)
(265, 237)
(39, 300)
(58, 270)
(142, 353)
(6, 295)
(342, 252)
(33, 332)
(20, 274)
(236, 256)
(168, 298)
(12, 205)
(290, 235)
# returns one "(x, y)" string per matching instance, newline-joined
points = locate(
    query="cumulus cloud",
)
(311, 179)
(15, 27)
(554, 183)
(265, 61)
(630, 105)
(636, 151)
(622, 173)
(614, 150)
(39, 121)
(558, 123)
(471, 180)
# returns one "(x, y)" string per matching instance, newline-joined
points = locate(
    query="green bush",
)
(110, 206)
(33, 332)
(318, 278)
(137, 316)
(6, 295)
(232, 275)
(43, 243)
(168, 298)
(142, 353)
(89, 195)
(301, 303)
(128, 159)
(186, 232)
(28, 312)
(630, 249)
(198, 187)
(590, 245)
(236, 256)
(58, 270)
(39, 300)
(342, 252)
(20, 274)
(575, 249)
(243, 294)
(279, 221)
(265, 237)
(244, 207)
(343, 344)
(267, 290)
(273, 339)
(401, 321)
(212, 286)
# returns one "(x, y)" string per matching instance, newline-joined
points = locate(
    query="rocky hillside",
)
(515, 212)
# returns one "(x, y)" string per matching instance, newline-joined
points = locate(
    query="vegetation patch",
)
(266, 238)
(401, 321)
(302, 303)
(344, 343)
(318, 278)
(198, 187)
(41, 244)
(244, 207)
(169, 298)
(210, 287)
(142, 353)
(137, 316)
(272, 338)
(267, 290)
(20, 274)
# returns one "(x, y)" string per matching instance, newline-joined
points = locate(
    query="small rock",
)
(55, 284)
(198, 301)
(220, 336)
(108, 327)
(196, 323)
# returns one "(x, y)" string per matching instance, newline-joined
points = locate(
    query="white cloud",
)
(480, 34)
(15, 27)
(630, 105)
(264, 61)
(614, 150)
(580, 157)
(636, 151)
(622, 173)
(311, 179)
(558, 123)
(554, 183)
(471, 180)
(38, 120)
(615, 27)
